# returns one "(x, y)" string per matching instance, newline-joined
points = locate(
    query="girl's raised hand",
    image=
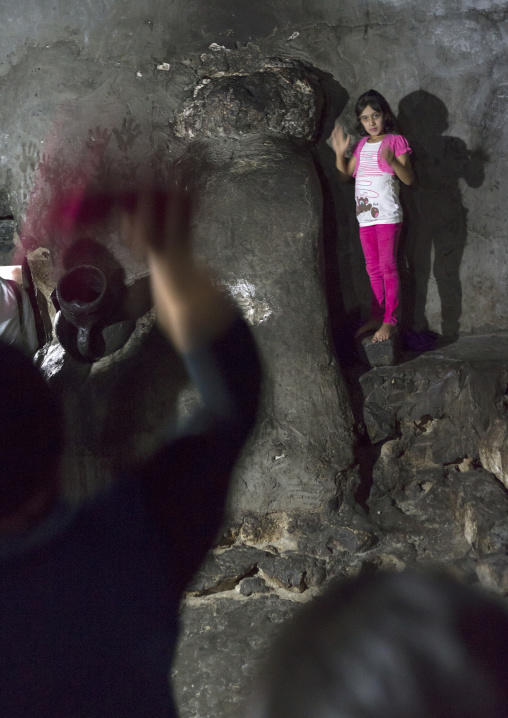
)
(340, 142)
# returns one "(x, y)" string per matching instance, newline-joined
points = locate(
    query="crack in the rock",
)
(227, 583)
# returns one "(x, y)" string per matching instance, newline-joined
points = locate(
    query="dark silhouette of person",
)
(437, 218)
(89, 595)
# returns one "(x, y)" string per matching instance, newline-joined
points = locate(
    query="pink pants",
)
(379, 244)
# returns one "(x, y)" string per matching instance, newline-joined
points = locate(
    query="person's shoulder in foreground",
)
(90, 596)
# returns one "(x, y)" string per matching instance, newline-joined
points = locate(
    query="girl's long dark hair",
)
(379, 104)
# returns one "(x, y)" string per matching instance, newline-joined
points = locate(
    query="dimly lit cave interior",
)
(359, 461)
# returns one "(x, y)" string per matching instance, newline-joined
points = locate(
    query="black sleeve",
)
(186, 482)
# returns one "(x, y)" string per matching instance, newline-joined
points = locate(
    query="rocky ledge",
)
(434, 439)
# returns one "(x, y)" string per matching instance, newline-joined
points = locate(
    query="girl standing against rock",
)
(378, 159)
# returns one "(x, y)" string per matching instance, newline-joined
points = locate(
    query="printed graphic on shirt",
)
(362, 205)
(376, 192)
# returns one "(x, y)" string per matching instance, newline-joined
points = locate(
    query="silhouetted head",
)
(421, 113)
(390, 646)
(31, 428)
(377, 102)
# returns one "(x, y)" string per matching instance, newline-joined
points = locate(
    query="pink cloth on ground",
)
(379, 244)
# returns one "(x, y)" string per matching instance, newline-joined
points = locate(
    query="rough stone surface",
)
(443, 401)
(7, 228)
(293, 571)
(481, 507)
(258, 220)
(278, 99)
(433, 519)
(494, 448)
(385, 353)
(493, 572)
(5, 204)
(222, 645)
(253, 584)
(223, 570)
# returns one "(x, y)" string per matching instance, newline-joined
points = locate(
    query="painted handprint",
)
(29, 157)
(127, 135)
(98, 140)
(51, 167)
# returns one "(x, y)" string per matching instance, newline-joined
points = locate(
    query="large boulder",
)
(259, 220)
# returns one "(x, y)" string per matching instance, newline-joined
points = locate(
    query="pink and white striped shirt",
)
(376, 186)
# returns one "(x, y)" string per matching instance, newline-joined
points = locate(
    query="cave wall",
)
(103, 84)
(81, 69)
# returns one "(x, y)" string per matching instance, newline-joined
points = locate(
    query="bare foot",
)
(367, 327)
(385, 331)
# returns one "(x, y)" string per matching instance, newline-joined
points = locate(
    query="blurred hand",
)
(190, 307)
(160, 222)
(340, 142)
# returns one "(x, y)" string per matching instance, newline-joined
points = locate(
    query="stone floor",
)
(430, 501)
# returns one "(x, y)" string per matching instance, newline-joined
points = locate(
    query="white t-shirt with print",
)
(376, 192)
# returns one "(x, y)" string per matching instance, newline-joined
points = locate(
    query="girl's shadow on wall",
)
(435, 216)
